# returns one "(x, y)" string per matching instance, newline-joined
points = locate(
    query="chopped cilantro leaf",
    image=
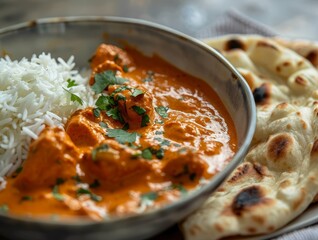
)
(120, 97)
(125, 127)
(93, 196)
(81, 191)
(146, 154)
(192, 176)
(18, 170)
(179, 187)
(116, 58)
(145, 120)
(96, 112)
(122, 136)
(139, 110)
(137, 92)
(114, 113)
(101, 148)
(59, 181)
(56, 194)
(121, 88)
(125, 68)
(26, 198)
(147, 199)
(104, 102)
(159, 121)
(159, 132)
(4, 208)
(162, 111)
(94, 184)
(160, 153)
(103, 125)
(77, 178)
(162, 142)
(71, 83)
(104, 79)
(74, 98)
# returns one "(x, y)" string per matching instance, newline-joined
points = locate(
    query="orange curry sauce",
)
(154, 135)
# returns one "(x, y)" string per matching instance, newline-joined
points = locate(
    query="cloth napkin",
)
(234, 22)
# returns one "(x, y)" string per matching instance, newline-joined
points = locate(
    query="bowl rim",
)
(206, 188)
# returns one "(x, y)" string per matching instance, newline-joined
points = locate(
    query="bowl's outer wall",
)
(80, 38)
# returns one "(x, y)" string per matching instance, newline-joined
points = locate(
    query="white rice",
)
(31, 97)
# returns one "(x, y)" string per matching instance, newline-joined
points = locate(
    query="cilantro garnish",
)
(74, 97)
(96, 112)
(139, 110)
(137, 92)
(160, 153)
(77, 178)
(179, 187)
(121, 88)
(162, 111)
(146, 154)
(71, 83)
(104, 102)
(145, 120)
(125, 68)
(101, 148)
(4, 208)
(162, 142)
(56, 194)
(115, 114)
(159, 121)
(26, 198)
(94, 197)
(147, 199)
(104, 79)
(149, 77)
(120, 97)
(59, 181)
(159, 132)
(18, 170)
(95, 184)
(103, 125)
(122, 136)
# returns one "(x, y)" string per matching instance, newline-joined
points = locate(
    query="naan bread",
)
(279, 176)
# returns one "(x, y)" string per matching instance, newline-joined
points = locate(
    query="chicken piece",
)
(84, 128)
(109, 57)
(112, 163)
(137, 111)
(53, 155)
(185, 165)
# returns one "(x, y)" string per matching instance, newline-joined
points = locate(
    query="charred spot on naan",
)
(301, 81)
(247, 170)
(279, 146)
(248, 198)
(262, 94)
(314, 150)
(234, 44)
(312, 57)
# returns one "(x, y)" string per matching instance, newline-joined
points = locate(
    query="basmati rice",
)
(32, 97)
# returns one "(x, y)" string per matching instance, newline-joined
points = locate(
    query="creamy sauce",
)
(180, 133)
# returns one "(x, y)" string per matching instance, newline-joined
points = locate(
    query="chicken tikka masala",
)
(154, 134)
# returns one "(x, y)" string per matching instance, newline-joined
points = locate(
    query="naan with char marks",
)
(278, 178)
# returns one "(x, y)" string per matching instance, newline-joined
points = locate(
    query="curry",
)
(155, 134)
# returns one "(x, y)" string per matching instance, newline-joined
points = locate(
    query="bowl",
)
(79, 36)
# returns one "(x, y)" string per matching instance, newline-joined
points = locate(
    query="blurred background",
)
(289, 18)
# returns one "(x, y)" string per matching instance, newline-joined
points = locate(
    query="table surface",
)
(291, 18)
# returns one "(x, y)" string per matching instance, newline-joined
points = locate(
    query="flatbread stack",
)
(278, 178)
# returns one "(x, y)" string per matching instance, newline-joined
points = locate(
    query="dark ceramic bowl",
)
(79, 36)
